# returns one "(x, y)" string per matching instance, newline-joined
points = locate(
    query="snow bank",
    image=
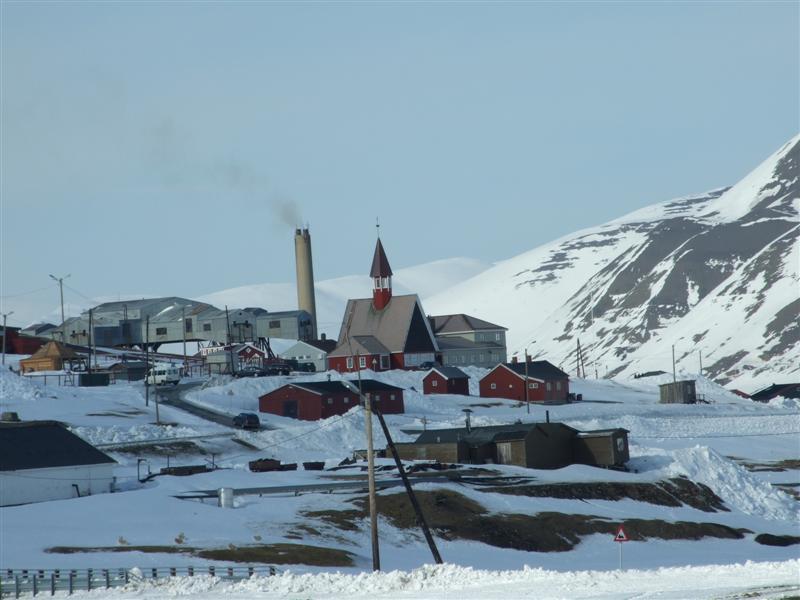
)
(15, 388)
(734, 484)
(450, 581)
(136, 433)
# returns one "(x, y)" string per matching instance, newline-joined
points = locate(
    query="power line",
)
(49, 287)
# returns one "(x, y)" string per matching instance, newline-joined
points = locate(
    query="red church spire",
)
(381, 274)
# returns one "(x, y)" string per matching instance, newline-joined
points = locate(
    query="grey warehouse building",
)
(123, 323)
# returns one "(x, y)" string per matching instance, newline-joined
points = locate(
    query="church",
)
(383, 332)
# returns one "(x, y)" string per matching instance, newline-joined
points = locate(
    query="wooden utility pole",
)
(700, 355)
(5, 333)
(148, 368)
(527, 401)
(91, 323)
(373, 506)
(183, 321)
(411, 496)
(578, 358)
(230, 349)
(674, 376)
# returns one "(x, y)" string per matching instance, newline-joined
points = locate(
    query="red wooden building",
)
(20, 344)
(314, 400)
(385, 331)
(545, 382)
(446, 380)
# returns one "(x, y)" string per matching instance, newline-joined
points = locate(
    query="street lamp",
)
(5, 333)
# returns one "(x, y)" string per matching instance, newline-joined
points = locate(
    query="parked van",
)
(163, 374)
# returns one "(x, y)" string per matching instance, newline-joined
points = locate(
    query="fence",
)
(15, 582)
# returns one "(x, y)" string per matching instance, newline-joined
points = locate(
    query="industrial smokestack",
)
(305, 277)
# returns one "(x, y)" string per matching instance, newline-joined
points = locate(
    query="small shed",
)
(132, 370)
(446, 380)
(53, 356)
(43, 460)
(679, 392)
(602, 448)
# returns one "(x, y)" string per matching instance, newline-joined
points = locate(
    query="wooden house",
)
(679, 392)
(314, 400)
(602, 448)
(545, 382)
(53, 356)
(446, 380)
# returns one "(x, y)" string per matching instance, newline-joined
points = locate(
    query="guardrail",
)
(15, 582)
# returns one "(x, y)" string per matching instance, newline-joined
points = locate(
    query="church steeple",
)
(381, 274)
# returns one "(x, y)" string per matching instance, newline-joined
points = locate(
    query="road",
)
(173, 395)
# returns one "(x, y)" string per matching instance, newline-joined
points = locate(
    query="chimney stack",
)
(305, 277)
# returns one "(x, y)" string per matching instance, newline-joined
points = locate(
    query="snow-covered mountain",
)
(714, 274)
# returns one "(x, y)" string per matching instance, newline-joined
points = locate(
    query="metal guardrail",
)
(15, 582)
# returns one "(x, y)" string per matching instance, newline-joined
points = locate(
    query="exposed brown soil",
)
(277, 554)
(773, 466)
(674, 492)
(454, 516)
(767, 539)
(161, 449)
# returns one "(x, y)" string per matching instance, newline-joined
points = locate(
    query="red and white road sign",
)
(621, 535)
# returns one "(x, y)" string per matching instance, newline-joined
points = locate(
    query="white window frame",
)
(492, 386)
(362, 362)
(349, 362)
(549, 387)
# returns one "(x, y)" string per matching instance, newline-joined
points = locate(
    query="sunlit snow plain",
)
(707, 443)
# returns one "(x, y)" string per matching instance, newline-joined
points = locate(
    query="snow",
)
(767, 579)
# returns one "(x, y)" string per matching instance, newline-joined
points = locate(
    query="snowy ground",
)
(666, 441)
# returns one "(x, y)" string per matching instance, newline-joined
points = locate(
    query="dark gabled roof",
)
(44, 444)
(368, 344)
(461, 323)
(325, 345)
(787, 390)
(485, 435)
(368, 386)
(448, 372)
(380, 264)
(537, 369)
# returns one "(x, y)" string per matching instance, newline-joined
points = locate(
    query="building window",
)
(480, 357)
(161, 331)
(188, 325)
(620, 444)
(349, 362)
(376, 397)
(558, 385)
(384, 361)
(206, 326)
(532, 386)
(497, 336)
(391, 396)
(347, 400)
(330, 401)
(535, 386)
(493, 386)
(434, 383)
(549, 386)
(362, 362)
(274, 324)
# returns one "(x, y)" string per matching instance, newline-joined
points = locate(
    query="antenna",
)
(378, 226)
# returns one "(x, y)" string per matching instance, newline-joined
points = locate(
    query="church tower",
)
(381, 274)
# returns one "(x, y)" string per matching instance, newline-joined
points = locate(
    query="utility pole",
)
(373, 508)
(229, 348)
(5, 333)
(148, 370)
(183, 322)
(674, 376)
(700, 355)
(527, 401)
(60, 281)
(91, 322)
(578, 358)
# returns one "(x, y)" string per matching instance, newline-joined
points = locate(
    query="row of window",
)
(531, 385)
(362, 362)
(374, 398)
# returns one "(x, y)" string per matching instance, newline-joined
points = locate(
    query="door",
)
(290, 409)
(504, 453)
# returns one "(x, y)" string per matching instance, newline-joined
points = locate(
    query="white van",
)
(163, 374)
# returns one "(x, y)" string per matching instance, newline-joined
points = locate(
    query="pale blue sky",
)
(158, 148)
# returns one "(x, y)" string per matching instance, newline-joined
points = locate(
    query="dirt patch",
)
(344, 520)
(767, 539)
(773, 466)
(279, 554)
(674, 492)
(454, 516)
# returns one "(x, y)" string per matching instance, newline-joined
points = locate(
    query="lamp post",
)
(5, 333)
(60, 281)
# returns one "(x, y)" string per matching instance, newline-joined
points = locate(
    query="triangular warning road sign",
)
(621, 535)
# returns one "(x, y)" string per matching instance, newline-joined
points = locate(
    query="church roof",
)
(380, 264)
(399, 327)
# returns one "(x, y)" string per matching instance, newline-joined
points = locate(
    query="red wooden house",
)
(545, 382)
(446, 380)
(314, 400)
(383, 332)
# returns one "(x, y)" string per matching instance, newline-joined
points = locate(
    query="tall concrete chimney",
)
(305, 277)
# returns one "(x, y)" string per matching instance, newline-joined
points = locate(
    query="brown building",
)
(545, 382)
(446, 380)
(53, 356)
(314, 400)
(533, 445)
(679, 392)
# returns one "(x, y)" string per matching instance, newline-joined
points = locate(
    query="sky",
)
(170, 148)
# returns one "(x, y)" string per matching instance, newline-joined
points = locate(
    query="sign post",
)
(621, 536)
